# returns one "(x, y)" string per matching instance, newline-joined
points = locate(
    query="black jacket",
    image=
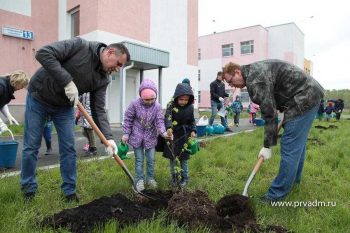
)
(217, 89)
(74, 60)
(6, 91)
(181, 120)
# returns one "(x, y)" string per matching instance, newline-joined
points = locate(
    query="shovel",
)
(106, 143)
(257, 165)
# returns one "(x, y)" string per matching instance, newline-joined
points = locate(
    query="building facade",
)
(244, 46)
(161, 35)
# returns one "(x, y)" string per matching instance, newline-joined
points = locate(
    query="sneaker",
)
(29, 196)
(92, 151)
(86, 147)
(140, 186)
(266, 200)
(173, 182)
(48, 151)
(71, 198)
(183, 183)
(237, 125)
(152, 183)
(228, 130)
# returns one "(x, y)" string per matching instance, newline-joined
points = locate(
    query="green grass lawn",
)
(221, 168)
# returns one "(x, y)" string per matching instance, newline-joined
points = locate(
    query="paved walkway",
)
(53, 159)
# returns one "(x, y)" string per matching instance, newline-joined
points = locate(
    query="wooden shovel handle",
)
(98, 132)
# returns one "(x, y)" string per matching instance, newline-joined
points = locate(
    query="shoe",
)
(236, 125)
(140, 186)
(71, 198)
(29, 196)
(228, 130)
(152, 183)
(183, 183)
(173, 181)
(92, 151)
(86, 147)
(266, 200)
(48, 151)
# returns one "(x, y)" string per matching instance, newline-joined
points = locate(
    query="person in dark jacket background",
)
(217, 95)
(329, 110)
(277, 85)
(9, 83)
(320, 111)
(338, 108)
(180, 123)
(69, 68)
(237, 108)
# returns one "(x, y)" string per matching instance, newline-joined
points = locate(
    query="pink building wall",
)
(19, 54)
(211, 49)
(105, 15)
(88, 13)
(192, 32)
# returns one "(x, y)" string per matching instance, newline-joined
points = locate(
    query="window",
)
(199, 96)
(227, 50)
(247, 47)
(199, 75)
(244, 96)
(74, 22)
(199, 54)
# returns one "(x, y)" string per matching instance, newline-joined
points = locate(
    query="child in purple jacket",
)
(143, 122)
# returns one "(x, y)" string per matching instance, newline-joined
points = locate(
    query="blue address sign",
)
(19, 33)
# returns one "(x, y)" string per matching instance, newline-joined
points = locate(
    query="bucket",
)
(218, 129)
(259, 122)
(201, 130)
(8, 153)
(209, 130)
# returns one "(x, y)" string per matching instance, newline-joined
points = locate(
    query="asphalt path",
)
(80, 141)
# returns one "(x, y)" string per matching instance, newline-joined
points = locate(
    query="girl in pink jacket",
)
(253, 109)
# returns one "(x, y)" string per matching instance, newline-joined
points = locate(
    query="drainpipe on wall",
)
(122, 90)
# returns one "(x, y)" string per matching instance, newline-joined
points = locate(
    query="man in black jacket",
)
(217, 95)
(69, 68)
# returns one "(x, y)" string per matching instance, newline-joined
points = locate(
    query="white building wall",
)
(23, 7)
(286, 38)
(209, 69)
(169, 32)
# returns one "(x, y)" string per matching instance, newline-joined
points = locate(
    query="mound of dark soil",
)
(193, 209)
(315, 141)
(326, 127)
(83, 218)
(232, 212)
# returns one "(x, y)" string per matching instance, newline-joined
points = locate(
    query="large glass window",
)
(247, 47)
(227, 50)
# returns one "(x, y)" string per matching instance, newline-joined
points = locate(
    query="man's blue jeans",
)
(293, 145)
(184, 169)
(140, 153)
(36, 114)
(214, 110)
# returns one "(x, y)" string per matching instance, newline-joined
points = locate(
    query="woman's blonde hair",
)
(19, 79)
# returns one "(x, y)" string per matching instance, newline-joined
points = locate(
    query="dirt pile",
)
(83, 218)
(188, 209)
(232, 212)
